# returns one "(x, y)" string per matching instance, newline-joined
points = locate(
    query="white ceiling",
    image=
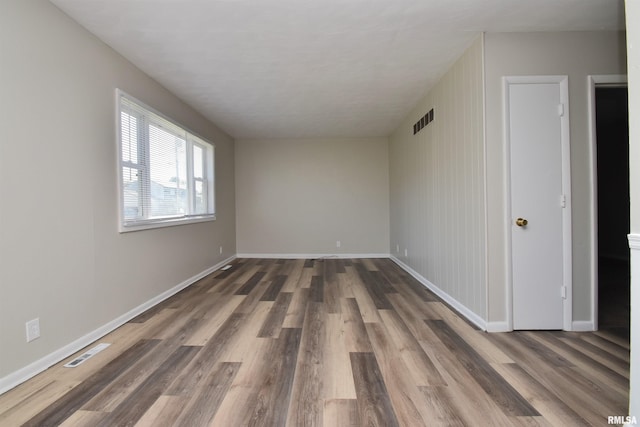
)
(314, 68)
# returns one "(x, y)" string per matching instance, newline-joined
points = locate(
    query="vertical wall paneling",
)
(437, 188)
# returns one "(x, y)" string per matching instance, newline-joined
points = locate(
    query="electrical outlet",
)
(220, 250)
(406, 252)
(338, 244)
(33, 329)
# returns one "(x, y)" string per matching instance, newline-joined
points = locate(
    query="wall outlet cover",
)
(33, 329)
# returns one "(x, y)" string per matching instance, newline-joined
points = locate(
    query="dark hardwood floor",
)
(325, 343)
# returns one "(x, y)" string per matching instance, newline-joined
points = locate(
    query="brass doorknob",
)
(521, 222)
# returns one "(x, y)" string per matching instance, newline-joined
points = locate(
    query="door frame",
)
(563, 83)
(593, 81)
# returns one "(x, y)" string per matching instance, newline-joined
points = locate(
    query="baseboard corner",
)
(498, 327)
(583, 326)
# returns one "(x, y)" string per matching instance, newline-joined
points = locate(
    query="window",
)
(166, 173)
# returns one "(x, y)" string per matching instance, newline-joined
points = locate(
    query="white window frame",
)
(192, 140)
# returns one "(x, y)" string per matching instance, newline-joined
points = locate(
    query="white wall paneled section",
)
(438, 220)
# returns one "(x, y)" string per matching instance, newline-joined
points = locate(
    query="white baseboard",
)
(460, 308)
(15, 378)
(498, 327)
(583, 326)
(311, 256)
(634, 379)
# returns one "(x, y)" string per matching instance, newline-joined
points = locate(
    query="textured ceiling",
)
(313, 68)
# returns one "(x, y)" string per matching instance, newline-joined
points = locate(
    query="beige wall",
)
(633, 22)
(437, 186)
(61, 256)
(576, 54)
(301, 196)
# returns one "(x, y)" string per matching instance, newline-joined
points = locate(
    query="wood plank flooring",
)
(328, 342)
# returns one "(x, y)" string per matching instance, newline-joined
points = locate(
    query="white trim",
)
(583, 326)
(563, 82)
(634, 384)
(507, 192)
(170, 222)
(498, 327)
(15, 378)
(311, 256)
(593, 189)
(567, 220)
(485, 186)
(460, 308)
(611, 80)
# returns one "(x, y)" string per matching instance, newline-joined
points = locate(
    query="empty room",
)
(339, 213)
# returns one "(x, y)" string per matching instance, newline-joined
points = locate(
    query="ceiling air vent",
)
(425, 120)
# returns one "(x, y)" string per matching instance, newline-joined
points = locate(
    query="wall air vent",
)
(425, 120)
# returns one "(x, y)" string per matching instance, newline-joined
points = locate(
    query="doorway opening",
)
(612, 162)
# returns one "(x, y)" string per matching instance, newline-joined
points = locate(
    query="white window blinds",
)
(166, 173)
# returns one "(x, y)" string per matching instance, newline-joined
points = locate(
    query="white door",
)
(537, 134)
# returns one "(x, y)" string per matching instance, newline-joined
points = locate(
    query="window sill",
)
(167, 222)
